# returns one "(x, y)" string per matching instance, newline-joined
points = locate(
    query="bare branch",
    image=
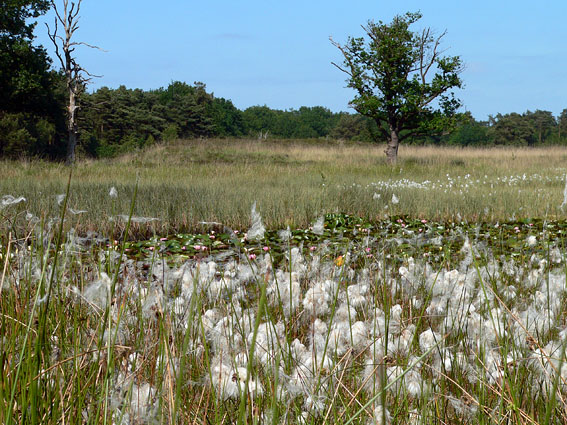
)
(91, 46)
(434, 55)
(54, 37)
(341, 69)
(348, 53)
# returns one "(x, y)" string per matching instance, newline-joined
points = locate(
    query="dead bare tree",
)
(76, 77)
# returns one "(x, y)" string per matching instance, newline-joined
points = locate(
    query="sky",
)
(278, 53)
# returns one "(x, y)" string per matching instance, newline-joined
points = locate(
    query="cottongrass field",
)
(429, 292)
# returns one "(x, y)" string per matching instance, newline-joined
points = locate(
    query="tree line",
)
(115, 121)
(33, 102)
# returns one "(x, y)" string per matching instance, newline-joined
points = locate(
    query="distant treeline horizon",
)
(35, 123)
(115, 121)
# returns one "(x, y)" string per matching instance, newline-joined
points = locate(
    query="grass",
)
(353, 332)
(293, 183)
(410, 319)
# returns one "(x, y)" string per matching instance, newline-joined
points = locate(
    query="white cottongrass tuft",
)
(10, 200)
(134, 219)
(343, 326)
(256, 232)
(319, 226)
(357, 294)
(228, 382)
(98, 292)
(395, 199)
(428, 339)
(285, 292)
(132, 403)
(381, 416)
(285, 235)
(317, 298)
(113, 193)
(76, 212)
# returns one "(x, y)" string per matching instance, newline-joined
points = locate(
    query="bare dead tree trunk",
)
(76, 77)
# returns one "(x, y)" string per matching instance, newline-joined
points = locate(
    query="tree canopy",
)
(24, 68)
(30, 109)
(391, 74)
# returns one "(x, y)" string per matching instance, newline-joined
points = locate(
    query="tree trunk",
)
(392, 148)
(71, 144)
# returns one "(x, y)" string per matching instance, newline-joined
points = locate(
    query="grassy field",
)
(432, 292)
(293, 183)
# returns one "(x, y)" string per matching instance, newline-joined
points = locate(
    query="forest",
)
(114, 121)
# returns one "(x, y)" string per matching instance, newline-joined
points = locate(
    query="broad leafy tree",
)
(187, 107)
(227, 119)
(469, 132)
(24, 68)
(402, 79)
(528, 129)
(30, 112)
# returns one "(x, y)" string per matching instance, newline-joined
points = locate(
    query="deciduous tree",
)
(402, 79)
(30, 109)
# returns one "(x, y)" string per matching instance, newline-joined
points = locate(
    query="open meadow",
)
(284, 282)
(184, 183)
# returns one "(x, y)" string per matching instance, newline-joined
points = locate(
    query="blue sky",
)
(278, 53)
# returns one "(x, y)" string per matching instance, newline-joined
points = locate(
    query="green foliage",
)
(125, 118)
(562, 127)
(304, 123)
(389, 72)
(31, 116)
(527, 129)
(24, 69)
(542, 124)
(353, 127)
(227, 119)
(470, 134)
(170, 133)
(186, 106)
(260, 119)
(511, 129)
(24, 134)
(15, 16)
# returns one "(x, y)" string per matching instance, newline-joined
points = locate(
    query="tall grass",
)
(350, 333)
(293, 182)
